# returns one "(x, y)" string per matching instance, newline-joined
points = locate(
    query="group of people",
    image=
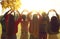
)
(39, 25)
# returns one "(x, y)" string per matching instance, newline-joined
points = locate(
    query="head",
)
(44, 14)
(23, 17)
(54, 19)
(35, 16)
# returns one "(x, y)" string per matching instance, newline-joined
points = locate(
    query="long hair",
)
(54, 24)
(54, 20)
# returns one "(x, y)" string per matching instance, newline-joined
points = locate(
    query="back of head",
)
(35, 16)
(44, 14)
(54, 20)
(23, 17)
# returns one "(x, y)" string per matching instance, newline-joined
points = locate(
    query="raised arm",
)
(56, 14)
(6, 13)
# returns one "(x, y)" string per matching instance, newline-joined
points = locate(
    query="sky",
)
(45, 5)
(41, 4)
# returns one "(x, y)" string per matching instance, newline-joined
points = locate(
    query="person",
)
(24, 27)
(43, 26)
(34, 26)
(11, 25)
(29, 16)
(55, 21)
(4, 32)
(54, 26)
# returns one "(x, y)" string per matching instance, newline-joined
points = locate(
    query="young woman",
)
(24, 27)
(43, 26)
(54, 26)
(34, 25)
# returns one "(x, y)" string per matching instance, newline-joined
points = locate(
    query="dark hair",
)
(23, 17)
(54, 19)
(54, 24)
